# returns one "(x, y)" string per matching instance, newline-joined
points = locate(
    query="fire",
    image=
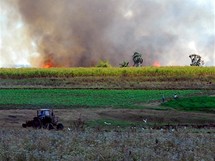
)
(48, 64)
(156, 64)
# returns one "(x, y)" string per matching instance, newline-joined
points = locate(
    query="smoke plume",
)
(66, 33)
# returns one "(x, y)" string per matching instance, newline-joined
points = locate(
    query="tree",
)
(137, 58)
(196, 60)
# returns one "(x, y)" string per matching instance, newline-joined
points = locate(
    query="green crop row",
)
(177, 72)
(63, 98)
(206, 103)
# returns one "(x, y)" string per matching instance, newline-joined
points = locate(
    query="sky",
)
(73, 33)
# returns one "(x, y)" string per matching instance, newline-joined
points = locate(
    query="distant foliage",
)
(137, 58)
(103, 64)
(196, 60)
(124, 64)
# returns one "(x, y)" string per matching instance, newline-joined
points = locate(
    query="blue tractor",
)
(45, 119)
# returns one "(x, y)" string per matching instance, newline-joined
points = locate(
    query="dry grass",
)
(116, 144)
(105, 143)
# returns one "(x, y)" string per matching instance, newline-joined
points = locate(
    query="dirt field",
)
(15, 118)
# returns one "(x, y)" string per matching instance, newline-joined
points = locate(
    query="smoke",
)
(82, 32)
(15, 43)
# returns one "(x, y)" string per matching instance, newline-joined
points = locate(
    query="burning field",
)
(163, 110)
(73, 33)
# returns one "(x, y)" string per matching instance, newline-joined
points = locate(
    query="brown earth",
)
(15, 118)
(107, 83)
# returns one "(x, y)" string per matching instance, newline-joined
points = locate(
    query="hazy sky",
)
(82, 32)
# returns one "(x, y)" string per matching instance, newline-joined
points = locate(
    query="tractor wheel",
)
(50, 126)
(45, 126)
(24, 125)
(29, 123)
(37, 123)
(60, 126)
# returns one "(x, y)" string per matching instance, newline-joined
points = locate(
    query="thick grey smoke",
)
(82, 32)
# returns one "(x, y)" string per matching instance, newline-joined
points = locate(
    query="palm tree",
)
(137, 58)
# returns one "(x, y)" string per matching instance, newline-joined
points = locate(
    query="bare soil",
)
(15, 117)
(107, 83)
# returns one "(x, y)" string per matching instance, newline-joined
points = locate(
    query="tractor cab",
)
(44, 113)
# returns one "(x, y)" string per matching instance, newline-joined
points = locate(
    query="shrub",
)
(103, 64)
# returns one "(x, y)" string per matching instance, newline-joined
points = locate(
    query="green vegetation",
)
(162, 73)
(110, 78)
(193, 103)
(103, 64)
(64, 98)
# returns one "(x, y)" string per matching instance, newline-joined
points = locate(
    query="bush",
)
(103, 64)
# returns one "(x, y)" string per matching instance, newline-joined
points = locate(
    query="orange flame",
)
(48, 64)
(156, 64)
